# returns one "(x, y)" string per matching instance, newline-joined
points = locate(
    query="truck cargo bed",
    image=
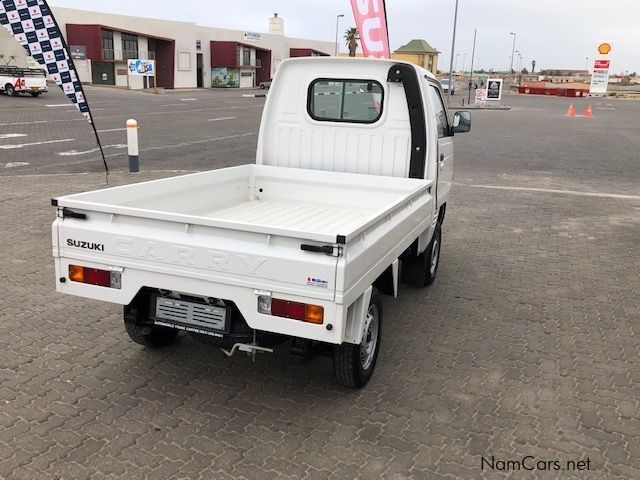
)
(311, 205)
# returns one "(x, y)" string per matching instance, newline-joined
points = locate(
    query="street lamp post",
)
(464, 62)
(337, 28)
(473, 56)
(513, 53)
(453, 50)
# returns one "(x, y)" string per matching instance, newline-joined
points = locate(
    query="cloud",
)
(555, 33)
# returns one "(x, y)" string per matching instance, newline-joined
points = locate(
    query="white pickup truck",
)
(347, 197)
(14, 80)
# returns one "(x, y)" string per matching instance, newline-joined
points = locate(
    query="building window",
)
(129, 46)
(246, 57)
(198, 44)
(107, 45)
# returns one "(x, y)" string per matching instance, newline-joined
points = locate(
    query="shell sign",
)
(604, 49)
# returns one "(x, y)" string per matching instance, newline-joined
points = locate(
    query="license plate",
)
(191, 317)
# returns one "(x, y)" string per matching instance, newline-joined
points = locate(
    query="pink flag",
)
(371, 20)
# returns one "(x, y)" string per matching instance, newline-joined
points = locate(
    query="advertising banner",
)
(141, 68)
(600, 76)
(481, 96)
(371, 21)
(494, 88)
(32, 25)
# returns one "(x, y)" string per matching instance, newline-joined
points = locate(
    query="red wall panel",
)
(224, 54)
(88, 35)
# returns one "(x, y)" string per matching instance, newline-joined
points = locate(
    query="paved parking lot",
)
(525, 347)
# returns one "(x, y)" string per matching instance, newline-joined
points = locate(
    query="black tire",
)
(140, 328)
(151, 336)
(421, 271)
(352, 366)
(10, 90)
(35, 94)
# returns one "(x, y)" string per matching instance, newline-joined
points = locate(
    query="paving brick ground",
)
(527, 345)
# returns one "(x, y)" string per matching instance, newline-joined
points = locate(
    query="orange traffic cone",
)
(571, 112)
(588, 112)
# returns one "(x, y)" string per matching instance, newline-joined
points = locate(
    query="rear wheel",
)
(141, 329)
(354, 364)
(421, 271)
(150, 336)
(10, 89)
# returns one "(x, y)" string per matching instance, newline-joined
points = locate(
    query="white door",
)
(246, 79)
(445, 144)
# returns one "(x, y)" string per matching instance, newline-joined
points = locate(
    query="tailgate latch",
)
(66, 213)
(326, 249)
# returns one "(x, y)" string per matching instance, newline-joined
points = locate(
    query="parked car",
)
(14, 80)
(347, 198)
(445, 86)
(266, 85)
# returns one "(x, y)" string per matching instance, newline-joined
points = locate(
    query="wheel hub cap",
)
(370, 338)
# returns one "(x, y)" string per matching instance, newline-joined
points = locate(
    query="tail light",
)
(293, 310)
(94, 276)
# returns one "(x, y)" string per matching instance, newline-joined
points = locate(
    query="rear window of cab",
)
(347, 101)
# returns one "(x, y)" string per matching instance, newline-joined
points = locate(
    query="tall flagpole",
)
(386, 20)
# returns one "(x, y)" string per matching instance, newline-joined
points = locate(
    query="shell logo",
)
(604, 49)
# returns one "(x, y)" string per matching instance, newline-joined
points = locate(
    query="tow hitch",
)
(250, 349)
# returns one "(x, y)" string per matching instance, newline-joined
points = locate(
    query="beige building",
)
(418, 52)
(187, 55)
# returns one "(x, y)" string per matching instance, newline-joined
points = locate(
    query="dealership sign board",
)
(481, 96)
(252, 37)
(600, 77)
(141, 68)
(494, 89)
(371, 20)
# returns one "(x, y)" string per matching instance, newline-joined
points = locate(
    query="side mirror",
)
(461, 122)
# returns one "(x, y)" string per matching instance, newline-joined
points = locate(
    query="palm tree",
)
(533, 67)
(352, 37)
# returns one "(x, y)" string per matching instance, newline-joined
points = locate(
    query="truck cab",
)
(346, 199)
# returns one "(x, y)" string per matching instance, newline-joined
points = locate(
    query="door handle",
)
(442, 157)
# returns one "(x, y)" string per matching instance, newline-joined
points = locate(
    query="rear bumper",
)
(245, 298)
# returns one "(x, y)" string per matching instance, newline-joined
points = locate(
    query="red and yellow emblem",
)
(604, 49)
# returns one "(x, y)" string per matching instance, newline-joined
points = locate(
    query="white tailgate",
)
(174, 251)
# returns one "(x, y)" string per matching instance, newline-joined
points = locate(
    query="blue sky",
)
(555, 33)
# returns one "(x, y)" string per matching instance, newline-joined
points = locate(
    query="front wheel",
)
(354, 364)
